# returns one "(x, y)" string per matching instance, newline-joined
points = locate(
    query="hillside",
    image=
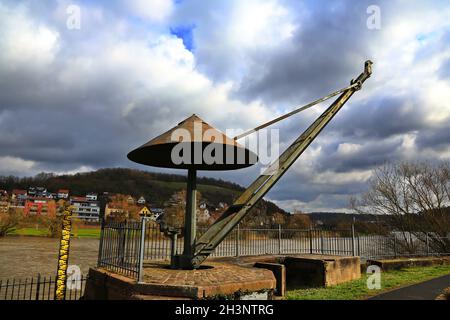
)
(156, 187)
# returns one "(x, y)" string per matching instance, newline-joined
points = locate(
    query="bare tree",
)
(9, 221)
(414, 199)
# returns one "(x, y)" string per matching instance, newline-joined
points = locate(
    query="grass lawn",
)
(76, 232)
(30, 232)
(87, 233)
(357, 289)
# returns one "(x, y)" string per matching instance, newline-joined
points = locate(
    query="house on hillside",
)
(51, 195)
(157, 213)
(91, 196)
(40, 206)
(223, 205)
(131, 200)
(141, 201)
(63, 194)
(18, 197)
(37, 192)
(203, 216)
(85, 209)
(115, 211)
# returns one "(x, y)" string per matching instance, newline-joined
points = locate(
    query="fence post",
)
(123, 230)
(359, 246)
(38, 286)
(100, 247)
(279, 239)
(310, 240)
(237, 241)
(395, 246)
(353, 239)
(428, 245)
(321, 241)
(173, 248)
(141, 250)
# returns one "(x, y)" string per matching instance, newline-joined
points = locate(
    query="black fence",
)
(121, 250)
(39, 288)
(120, 247)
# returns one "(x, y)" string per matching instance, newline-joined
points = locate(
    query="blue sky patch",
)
(186, 34)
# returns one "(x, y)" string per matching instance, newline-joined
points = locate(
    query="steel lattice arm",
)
(215, 234)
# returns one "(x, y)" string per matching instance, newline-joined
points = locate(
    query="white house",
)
(85, 209)
(63, 194)
(141, 201)
(91, 196)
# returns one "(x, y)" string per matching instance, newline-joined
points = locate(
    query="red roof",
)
(63, 191)
(78, 199)
(19, 191)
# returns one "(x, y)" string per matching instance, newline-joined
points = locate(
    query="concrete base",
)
(226, 278)
(305, 270)
(214, 281)
(321, 271)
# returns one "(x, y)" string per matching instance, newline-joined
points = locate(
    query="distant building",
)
(157, 213)
(114, 211)
(18, 197)
(131, 200)
(63, 194)
(91, 196)
(85, 209)
(141, 201)
(223, 205)
(203, 216)
(39, 206)
(37, 192)
(51, 195)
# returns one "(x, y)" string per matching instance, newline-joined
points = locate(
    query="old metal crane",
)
(217, 232)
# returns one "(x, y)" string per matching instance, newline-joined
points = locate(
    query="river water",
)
(22, 257)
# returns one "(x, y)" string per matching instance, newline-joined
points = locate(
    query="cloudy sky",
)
(77, 99)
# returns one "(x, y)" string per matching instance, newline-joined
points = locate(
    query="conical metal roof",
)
(193, 143)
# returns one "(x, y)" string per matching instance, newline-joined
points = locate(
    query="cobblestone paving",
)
(221, 273)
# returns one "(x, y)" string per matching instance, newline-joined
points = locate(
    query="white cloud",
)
(347, 149)
(341, 178)
(155, 10)
(23, 41)
(16, 165)
(259, 24)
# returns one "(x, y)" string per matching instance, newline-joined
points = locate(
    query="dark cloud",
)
(380, 117)
(329, 47)
(434, 138)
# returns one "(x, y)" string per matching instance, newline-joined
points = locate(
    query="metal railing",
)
(120, 246)
(39, 288)
(121, 250)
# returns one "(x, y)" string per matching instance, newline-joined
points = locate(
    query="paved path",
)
(427, 290)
